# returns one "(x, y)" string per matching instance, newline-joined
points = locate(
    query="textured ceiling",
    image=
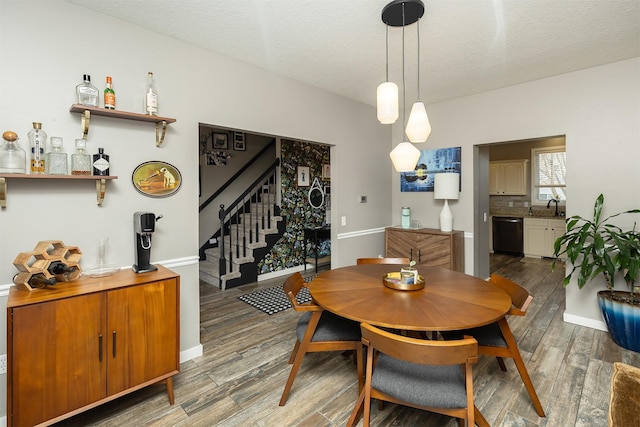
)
(466, 46)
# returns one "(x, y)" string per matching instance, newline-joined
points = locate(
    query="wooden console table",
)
(76, 345)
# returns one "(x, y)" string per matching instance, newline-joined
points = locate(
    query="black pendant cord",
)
(418, 24)
(404, 95)
(387, 54)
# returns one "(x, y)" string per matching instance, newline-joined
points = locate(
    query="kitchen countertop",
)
(524, 213)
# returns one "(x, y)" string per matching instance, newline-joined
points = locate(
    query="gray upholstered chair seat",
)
(424, 385)
(331, 327)
(485, 335)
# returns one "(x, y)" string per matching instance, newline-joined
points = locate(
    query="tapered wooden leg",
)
(302, 349)
(357, 410)
(480, 420)
(522, 369)
(500, 360)
(294, 352)
(169, 384)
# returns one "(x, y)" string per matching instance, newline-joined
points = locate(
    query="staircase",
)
(249, 228)
(241, 259)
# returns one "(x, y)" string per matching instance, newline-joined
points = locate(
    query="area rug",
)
(273, 300)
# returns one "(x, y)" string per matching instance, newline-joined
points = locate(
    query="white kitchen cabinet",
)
(508, 178)
(540, 234)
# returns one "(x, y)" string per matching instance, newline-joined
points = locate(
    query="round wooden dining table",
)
(450, 300)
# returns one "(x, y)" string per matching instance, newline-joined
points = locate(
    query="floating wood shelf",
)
(101, 183)
(86, 112)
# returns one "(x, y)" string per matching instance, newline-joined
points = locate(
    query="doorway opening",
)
(512, 203)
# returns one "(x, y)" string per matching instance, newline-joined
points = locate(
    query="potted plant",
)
(596, 247)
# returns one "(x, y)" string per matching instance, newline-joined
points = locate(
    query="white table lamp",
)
(446, 186)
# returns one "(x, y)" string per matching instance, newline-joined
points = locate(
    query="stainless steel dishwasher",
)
(507, 235)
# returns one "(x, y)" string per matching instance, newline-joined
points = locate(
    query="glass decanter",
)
(56, 161)
(13, 159)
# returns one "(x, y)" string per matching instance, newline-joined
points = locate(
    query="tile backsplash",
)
(515, 205)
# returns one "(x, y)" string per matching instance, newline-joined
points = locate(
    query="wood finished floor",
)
(239, 379)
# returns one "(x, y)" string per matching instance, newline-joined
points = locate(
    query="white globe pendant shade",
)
(387, 103)
(405, 157)
(418, 126)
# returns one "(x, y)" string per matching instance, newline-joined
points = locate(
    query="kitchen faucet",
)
(556, 202)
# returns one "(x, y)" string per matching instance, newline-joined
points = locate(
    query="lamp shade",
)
(387, 102)
(405, 157)
(446, 186)
(418, 126)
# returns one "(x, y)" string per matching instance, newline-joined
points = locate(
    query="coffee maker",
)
(144, 223)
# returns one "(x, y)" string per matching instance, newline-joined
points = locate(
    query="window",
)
(548, 171)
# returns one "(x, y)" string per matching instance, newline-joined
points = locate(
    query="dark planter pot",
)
(622, 318)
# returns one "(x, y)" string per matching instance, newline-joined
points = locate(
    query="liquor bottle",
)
(59, 267)
(37, 141)
(80, 160)
(101, 163)
(13, 159)
(62, 271)
(109, 95)
(56, 160)
(86, 93)
(150, 97)
(39, 280)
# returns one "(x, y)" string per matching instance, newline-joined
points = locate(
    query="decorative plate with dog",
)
(156, 179)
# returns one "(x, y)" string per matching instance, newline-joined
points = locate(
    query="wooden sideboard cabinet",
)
(79, 344)
(428, 246)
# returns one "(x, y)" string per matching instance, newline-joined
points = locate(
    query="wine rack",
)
(40, 258)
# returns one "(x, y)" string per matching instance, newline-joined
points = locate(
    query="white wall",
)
(45, 48)
(598, 110)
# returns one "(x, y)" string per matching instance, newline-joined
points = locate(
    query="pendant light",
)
(418, 127)
(387, 95)
(398, 13)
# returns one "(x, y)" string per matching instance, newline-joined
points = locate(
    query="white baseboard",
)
(191, 353)
(585, 321)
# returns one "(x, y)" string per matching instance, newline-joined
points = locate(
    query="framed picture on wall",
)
(238, 141)
(156, 179)
(302, 176)
(220, 141)
(326, 172)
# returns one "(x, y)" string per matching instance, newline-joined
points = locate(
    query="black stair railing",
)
(239, 173)
(242, 221)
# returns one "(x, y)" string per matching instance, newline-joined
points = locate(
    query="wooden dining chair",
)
(379, 260)
(496, 339)
(318, 330)
(423, 374)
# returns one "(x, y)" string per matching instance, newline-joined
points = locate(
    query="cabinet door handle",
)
(100, 347)
(114, 343)
(410, 254)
